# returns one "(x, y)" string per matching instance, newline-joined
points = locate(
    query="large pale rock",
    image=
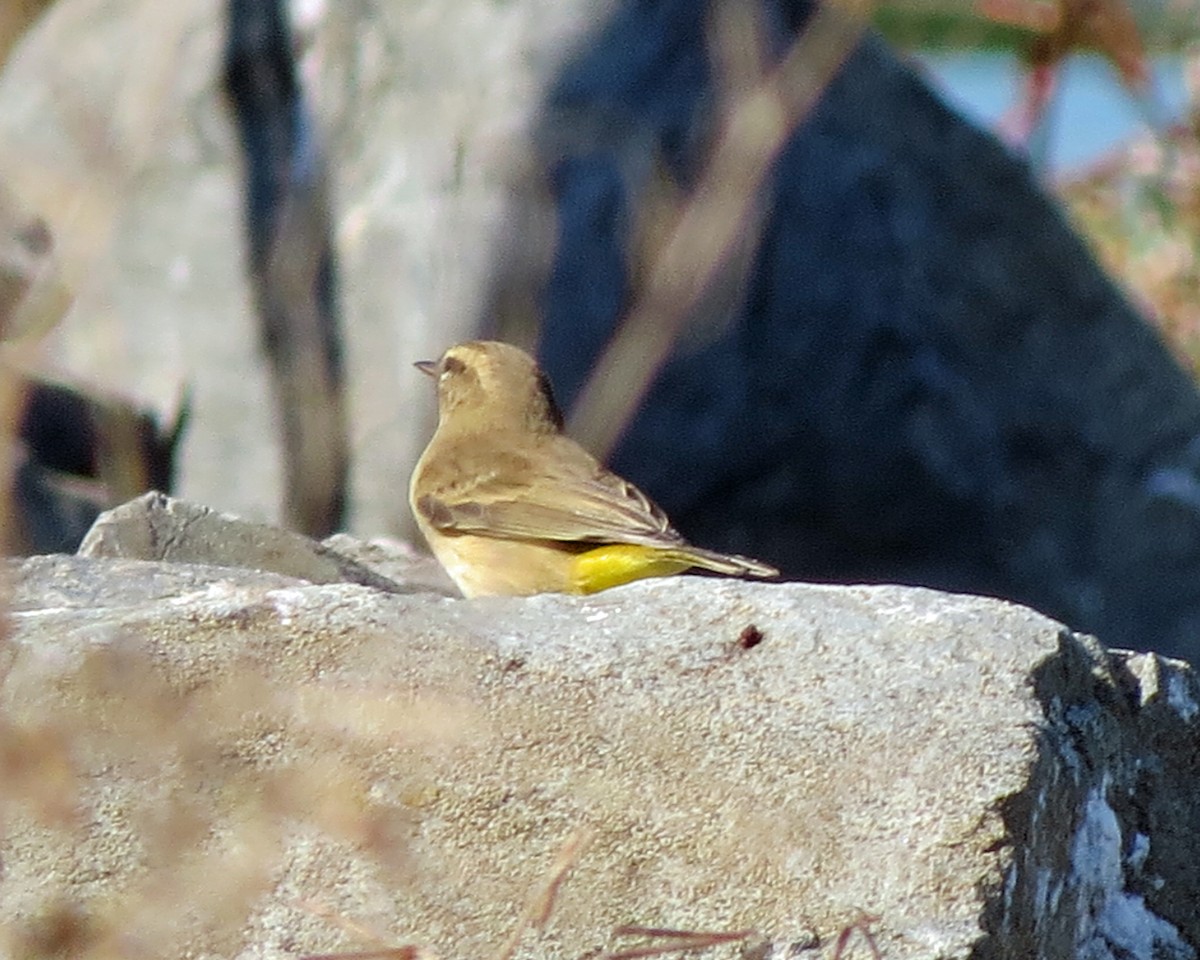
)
(211, 762)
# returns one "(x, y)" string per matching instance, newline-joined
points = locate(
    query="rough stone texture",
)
(213, 762)
(1111, 720)
(158, 527)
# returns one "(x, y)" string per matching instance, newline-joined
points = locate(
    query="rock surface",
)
(207, 761)
(158, 527)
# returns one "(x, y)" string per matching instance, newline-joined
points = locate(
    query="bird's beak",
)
(427, 367)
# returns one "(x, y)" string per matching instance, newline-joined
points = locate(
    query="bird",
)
(512, 506)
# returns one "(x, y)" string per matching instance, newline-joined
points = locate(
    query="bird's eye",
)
(453, 365)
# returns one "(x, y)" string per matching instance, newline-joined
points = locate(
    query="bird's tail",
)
(615, 563)
(728, 563)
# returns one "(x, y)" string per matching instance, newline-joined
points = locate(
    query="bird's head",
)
(482, 384)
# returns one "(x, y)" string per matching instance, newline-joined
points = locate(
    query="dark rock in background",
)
(78, 452)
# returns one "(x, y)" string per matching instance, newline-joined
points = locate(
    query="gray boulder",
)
(211, 761)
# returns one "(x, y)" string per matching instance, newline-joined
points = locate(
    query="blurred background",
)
(140, 303)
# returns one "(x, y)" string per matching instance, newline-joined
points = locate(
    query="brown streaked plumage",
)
(510, 505)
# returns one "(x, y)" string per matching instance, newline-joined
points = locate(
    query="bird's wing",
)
(568, 497)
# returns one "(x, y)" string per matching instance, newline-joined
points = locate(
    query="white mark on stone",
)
(1139, 850)
(286, 602)
(1111, 921)
(1179, 697)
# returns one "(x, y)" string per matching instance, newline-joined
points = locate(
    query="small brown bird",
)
(512, 506)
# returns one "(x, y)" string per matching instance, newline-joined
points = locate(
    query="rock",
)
(1112, 725)
(208, 762)
(157, 527)
(79, 452)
